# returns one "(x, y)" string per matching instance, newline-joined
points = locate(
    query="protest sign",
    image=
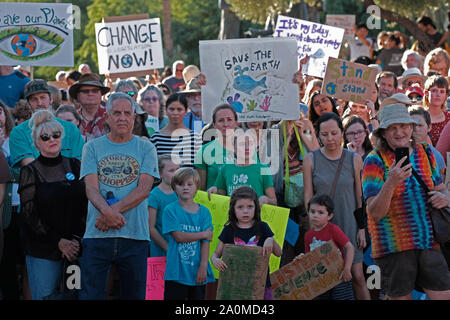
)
(348, 81)
(309, 276)
(36, 34)
(316, 40)
(344, 21)
(129, 46)
(254, 76)
(246, 273)
(275, 217)
(156, 267)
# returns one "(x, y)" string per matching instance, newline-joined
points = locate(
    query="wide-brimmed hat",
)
(192, 86)
(396, 98)
(411, 72)
(392, 114)
(88, 79)
(36, 86)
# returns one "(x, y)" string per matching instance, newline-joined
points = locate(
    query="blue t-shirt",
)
(192, 122)
(22, 146)
(12, 88)
(183, 259)
(159, 200)
(118, 167)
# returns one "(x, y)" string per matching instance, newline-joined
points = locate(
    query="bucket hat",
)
(88, 79)
(411, 72)
(192, 87)
(392, 114)
(396, 98)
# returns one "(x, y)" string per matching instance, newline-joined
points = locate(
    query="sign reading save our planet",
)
(348, 80)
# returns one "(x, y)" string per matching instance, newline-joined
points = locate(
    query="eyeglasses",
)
(55, 135)
(87, 91)
(152, 99)
(354, 133)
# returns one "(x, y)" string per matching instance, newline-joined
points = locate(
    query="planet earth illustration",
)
(23, 44)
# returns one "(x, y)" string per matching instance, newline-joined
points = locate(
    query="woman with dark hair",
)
(356, 136)
(320, 104)
(319, 171)
(175, 138)
(208, 163)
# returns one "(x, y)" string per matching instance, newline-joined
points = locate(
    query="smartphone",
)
(400, 153)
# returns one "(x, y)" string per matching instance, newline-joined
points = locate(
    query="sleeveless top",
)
(344, 200)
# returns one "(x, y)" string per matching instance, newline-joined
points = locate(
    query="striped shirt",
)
(406, 226)
(183, 148)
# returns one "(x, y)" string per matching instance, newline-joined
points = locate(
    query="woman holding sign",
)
(320, 169)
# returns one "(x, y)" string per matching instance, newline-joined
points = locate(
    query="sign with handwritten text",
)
(128, 46)
(309, 276)
(246, 274)
(316, 40)
(156, 267)
(344, 21)
(254, 76)
(36, 34)
(348, 81)
(275, 217)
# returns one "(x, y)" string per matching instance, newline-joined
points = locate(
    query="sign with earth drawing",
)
(36, 34)
(254, 76)
(129, 46)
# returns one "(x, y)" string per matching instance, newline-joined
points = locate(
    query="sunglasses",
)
(55, 135)
(131, 93)
(152, 99)
(87, 91)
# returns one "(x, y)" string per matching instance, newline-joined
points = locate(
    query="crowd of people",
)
(103, 174)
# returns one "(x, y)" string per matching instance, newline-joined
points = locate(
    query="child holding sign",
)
(189, 226)
(320, 212)
(159, 198)
(244, 227)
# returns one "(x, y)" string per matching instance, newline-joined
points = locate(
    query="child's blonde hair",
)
(182, 174)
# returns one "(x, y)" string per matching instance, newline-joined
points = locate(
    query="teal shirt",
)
(22, 145)
(232, 176)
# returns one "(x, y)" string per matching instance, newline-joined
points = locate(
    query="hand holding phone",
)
(400, 153)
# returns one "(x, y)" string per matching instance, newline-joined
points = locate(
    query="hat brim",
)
(401, 79)
(390, 122)
(191, 91)
(73, 90)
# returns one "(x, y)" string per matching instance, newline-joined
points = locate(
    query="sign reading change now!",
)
(129, 46)
(36, 34)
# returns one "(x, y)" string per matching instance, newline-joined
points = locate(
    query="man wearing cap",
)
(403, 245)
(415, 94)
(88, 92)
(193, 119)
(411, 76)
(12, 84)
(23, 150)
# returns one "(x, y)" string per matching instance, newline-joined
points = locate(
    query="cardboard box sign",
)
(348, 80)
(246, 275)
(308, 277)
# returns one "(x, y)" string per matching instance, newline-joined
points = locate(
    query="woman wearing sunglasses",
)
(53, 206)
(152, 100)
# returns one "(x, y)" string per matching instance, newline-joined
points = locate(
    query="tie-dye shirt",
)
(407, 224)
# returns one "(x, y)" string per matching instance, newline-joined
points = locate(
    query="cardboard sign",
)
(344, 21)
(348, 81)
(156, 268)
(308, 277)
(246, 274)
(316, 40)
(36, 34)
(254, 76)
(275, 217)
(129, 46)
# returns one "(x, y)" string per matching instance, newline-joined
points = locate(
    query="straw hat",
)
(192, 86)
(409, 73)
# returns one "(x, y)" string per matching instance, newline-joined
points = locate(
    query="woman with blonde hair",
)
(53, 205)
(437, 60)
(435, 101)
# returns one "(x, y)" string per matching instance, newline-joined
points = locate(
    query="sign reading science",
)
(129, 46)
(36, 34)
(118, 170)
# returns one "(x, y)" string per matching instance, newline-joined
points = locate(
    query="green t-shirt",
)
(211, 157)
(232, 176)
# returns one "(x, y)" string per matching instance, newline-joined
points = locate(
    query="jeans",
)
(130, 257)
(44, 276)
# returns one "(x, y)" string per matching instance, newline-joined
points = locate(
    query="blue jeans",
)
(44, 276)
(130, 257)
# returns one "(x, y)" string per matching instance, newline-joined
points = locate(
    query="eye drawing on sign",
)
(29, 43)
